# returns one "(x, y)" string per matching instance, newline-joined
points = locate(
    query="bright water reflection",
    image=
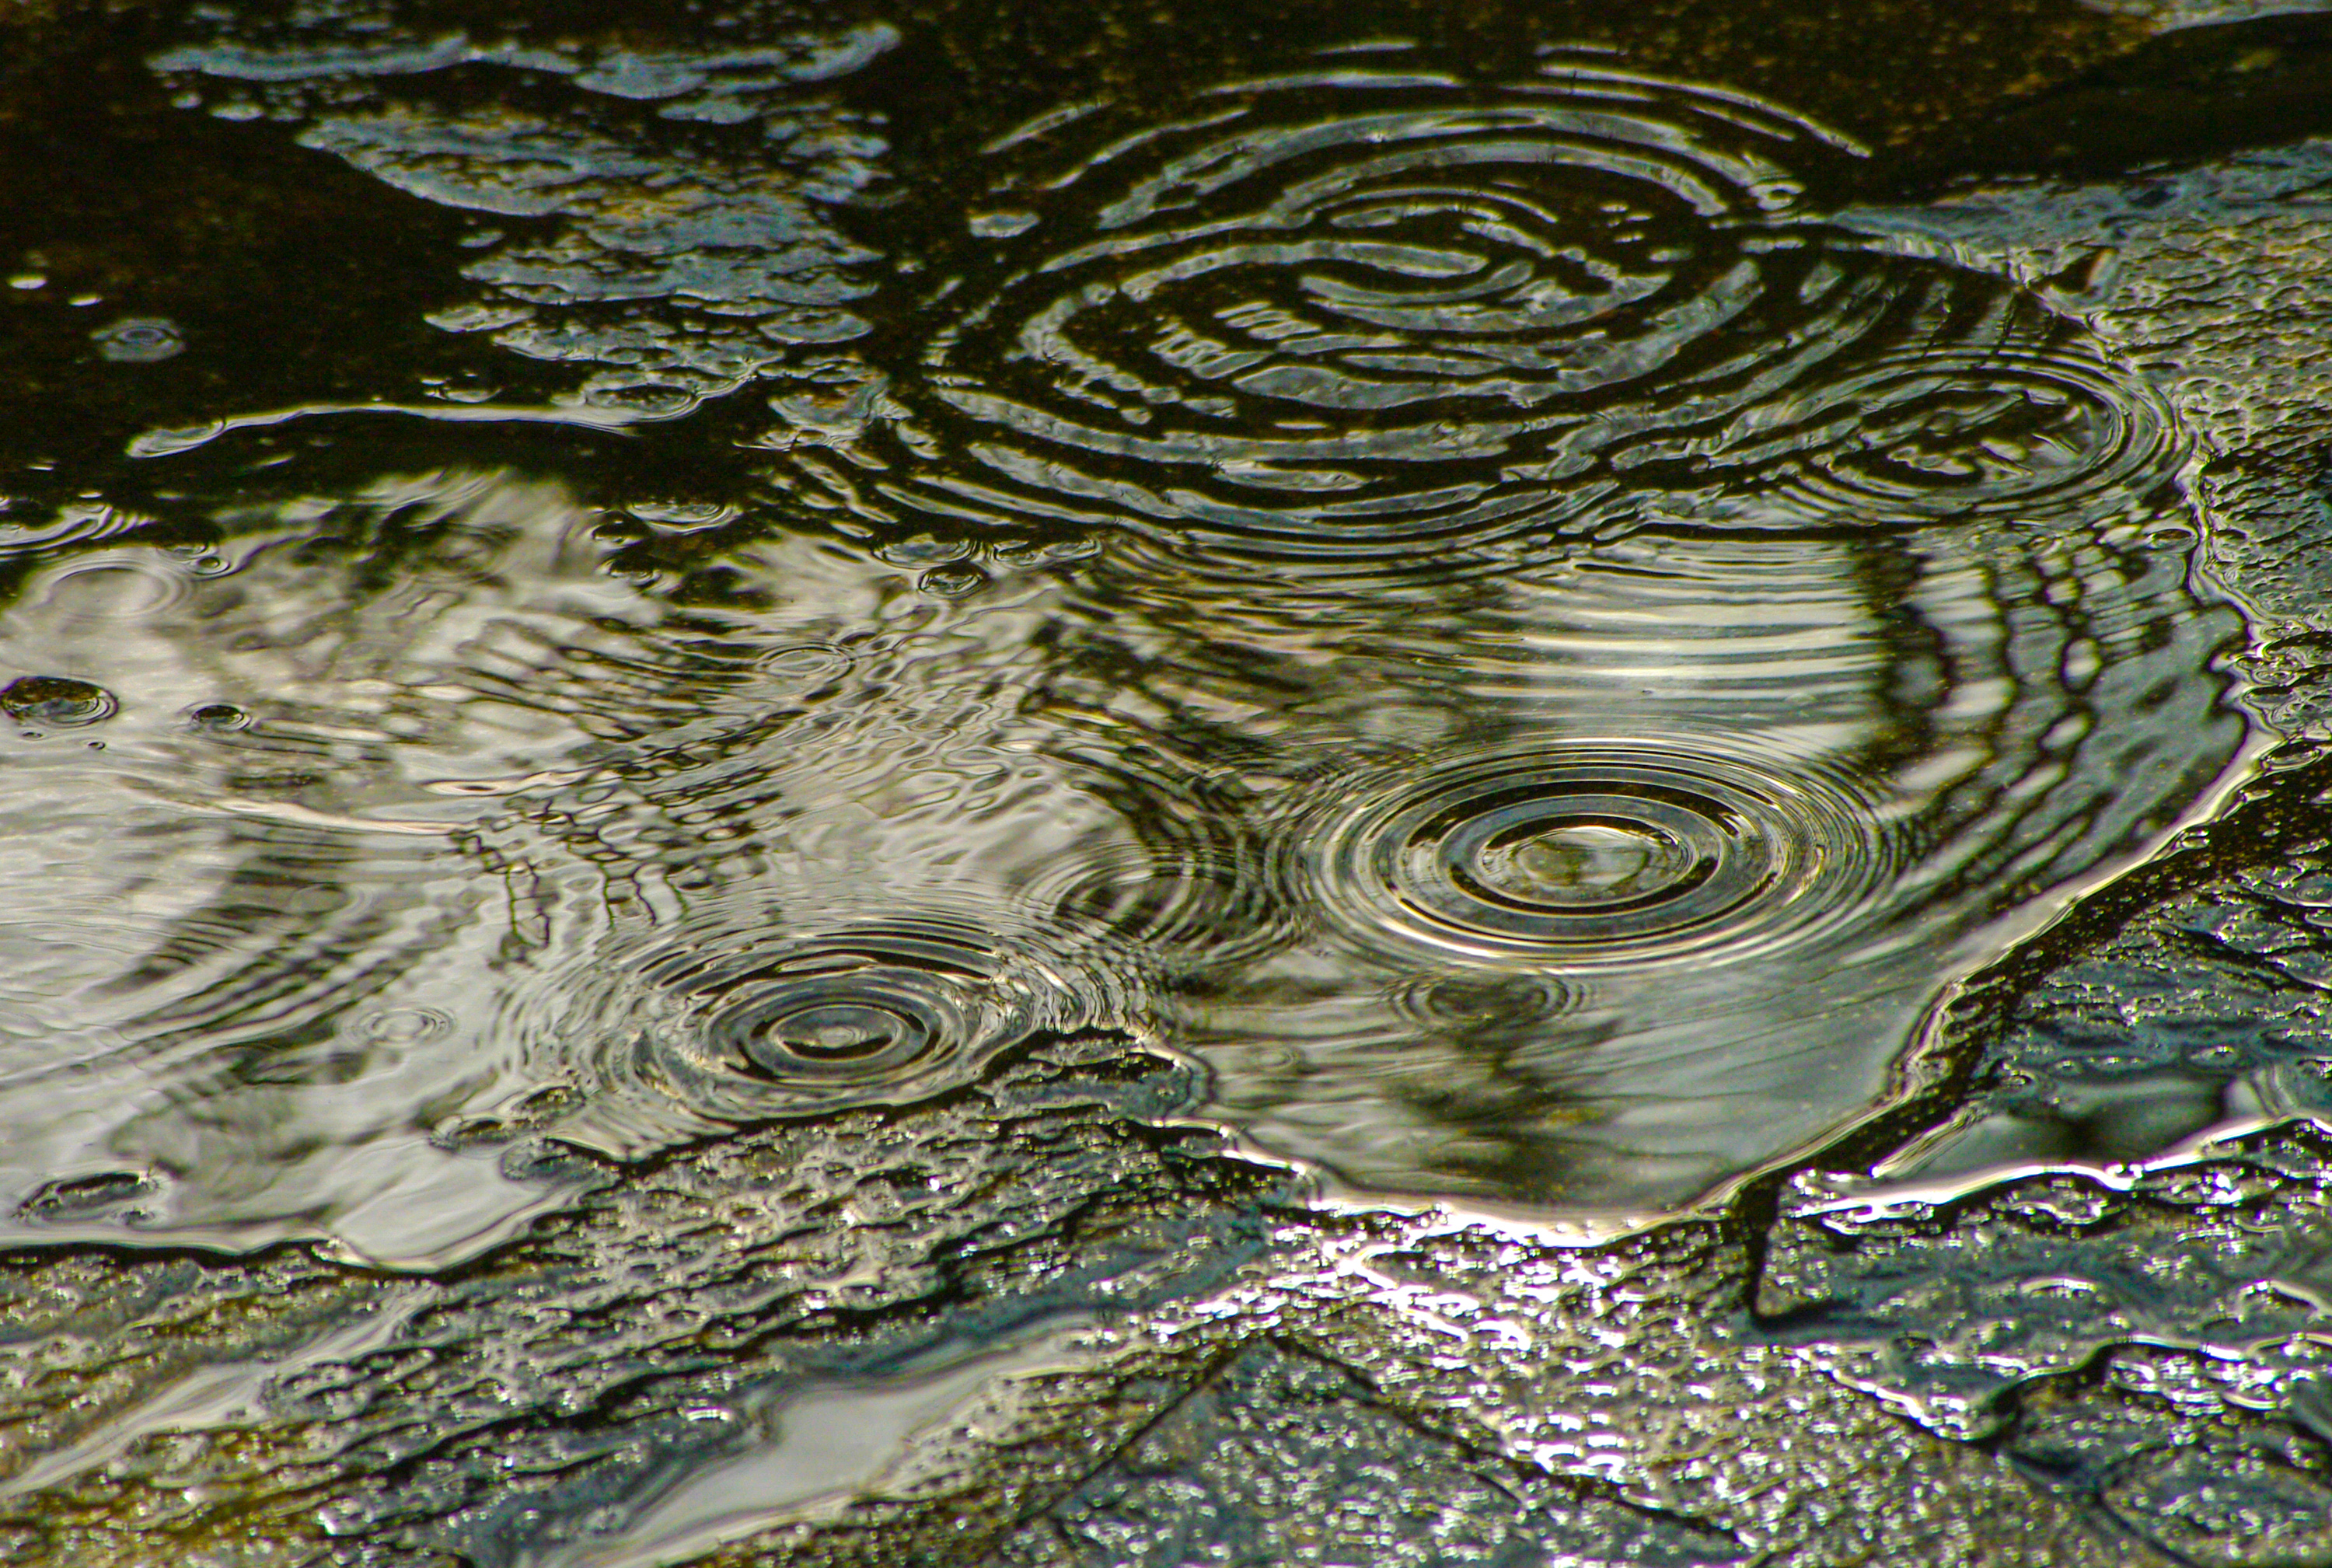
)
(1461, 603)
(1628, 875)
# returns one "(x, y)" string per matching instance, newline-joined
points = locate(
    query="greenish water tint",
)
(805, 784)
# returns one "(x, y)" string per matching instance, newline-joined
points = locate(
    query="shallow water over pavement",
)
(1509, 472)
(985, 684)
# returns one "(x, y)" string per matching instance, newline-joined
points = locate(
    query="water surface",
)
(1491, 615)
(1462, 602)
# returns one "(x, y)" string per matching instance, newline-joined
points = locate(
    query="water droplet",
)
(218, 718)
(140, 340)
(58, 702)
(829, 1032)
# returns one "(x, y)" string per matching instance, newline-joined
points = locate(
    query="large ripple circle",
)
(1386, 326)
(1591, 855)
(1346, 318)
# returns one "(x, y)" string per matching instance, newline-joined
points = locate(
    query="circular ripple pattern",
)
(118, 585)
(1482, 1003)
(1596, 856)
(884, 1013)
(1377, 325)
(140, 340)
(2005, 432)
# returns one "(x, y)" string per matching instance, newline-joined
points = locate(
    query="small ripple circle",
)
(2022, 432)
(140, 340)
(882, 1013)
(1482, 1002)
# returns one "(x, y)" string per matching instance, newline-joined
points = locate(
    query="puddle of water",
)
(1261, 566)
(1446, 586)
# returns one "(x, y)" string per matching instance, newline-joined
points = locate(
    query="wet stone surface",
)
(672, 1320)
(1092, 784)
(1280, 1455)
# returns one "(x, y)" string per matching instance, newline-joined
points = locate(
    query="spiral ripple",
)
(1382, 325)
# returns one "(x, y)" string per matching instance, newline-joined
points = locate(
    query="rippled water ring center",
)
(853, 1014)
(1601, 856)
(839, 1032)
(746, 1019)
(1604, 862)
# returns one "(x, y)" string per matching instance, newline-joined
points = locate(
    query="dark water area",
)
(1094, 784)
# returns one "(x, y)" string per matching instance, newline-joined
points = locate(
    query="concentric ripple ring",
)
(731, 1032)
(1599, 854)
(2027, 432)
(1376, 325)
(1346, 318)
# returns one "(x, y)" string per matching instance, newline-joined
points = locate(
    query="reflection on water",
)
(845, 681)
(255, 923)
(1740, 800)
(1462, 604)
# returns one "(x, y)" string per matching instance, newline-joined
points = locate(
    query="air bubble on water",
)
(140, 340)
(218, 718)
(58, 701)
(951, 582)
